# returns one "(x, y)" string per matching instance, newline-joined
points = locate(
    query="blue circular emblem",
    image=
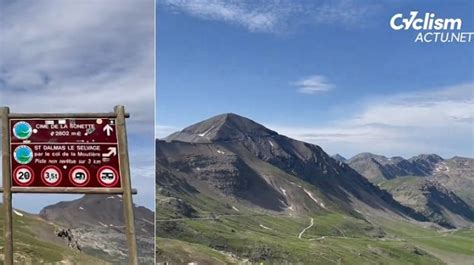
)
(23, 154)
(22, 130)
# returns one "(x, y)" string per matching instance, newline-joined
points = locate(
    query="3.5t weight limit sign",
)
(68, 152)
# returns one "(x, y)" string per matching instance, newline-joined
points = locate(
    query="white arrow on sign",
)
(112, 152)
(108, 129)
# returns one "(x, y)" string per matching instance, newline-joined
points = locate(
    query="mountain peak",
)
(367, 155)
(92, 209)
(223, 127)
(339, 157)
(428, 157)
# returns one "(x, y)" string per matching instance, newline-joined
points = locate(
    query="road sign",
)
(82, 149)
(108, 176)
(23, 175)
(65, 153)
(79, 176)
(51, 176)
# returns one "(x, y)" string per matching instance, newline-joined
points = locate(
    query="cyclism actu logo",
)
(431, 28)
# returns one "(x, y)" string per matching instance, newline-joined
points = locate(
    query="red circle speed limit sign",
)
(79, 176)
(51, 176)
(23, 175)
(107, 176)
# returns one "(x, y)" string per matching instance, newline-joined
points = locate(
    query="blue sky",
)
(73, 56)
(331, 73)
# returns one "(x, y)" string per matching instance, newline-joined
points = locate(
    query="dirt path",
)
(306, 228)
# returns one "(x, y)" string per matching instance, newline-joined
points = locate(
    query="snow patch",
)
(265, 227)
(314, 199)
(206, 132)
(17, 213)
(283, 190)
(233, 207)
(220, 152)
(291, 208)
(442, 168)
(311, 196)
(111, 197)
(270, 142)
(81, 208)
(102, 224)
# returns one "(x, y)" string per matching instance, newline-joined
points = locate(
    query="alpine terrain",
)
(97, 223)
(37, 241)
(89, 230)
(230, 190)
(440, 189)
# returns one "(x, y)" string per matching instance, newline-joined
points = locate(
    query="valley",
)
(230, 191)
(332, 239)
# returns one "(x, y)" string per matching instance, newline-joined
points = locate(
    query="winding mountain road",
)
(306, 228)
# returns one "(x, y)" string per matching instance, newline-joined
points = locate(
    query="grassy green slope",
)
(452, 246)
(181, 252)
(332, 239)
(34, 243)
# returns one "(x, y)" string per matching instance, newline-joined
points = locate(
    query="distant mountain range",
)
(376, 166)
(440, 189)
(456, 173)
(229, 165)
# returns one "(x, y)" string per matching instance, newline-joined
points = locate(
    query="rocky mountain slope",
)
(230, 190)
(377, 167)
(439, 189)
(432, 199)
(97, 223)
(36, 241)
(457, 174)
(232, 156)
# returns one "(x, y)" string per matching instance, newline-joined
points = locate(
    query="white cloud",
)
(433, 121)
(82, 56)
(238, 12)
(78, 55)
(428, 109)
(347, 12)
(313, 84)
(273, 15)
(162, 131)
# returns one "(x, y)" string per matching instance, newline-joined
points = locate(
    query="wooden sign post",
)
(127, 185)
(82, 153)
(7, 194)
